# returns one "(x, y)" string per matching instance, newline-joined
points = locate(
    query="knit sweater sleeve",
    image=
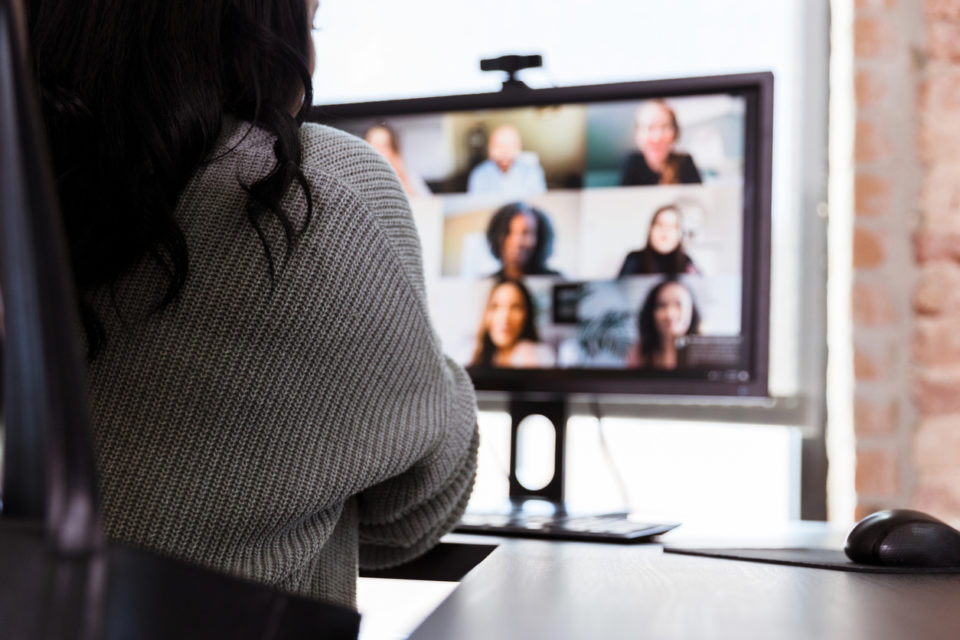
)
(420, 443)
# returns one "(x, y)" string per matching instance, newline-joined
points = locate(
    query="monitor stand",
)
(540, 512)
(550, 495)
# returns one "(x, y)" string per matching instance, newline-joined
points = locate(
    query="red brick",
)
(877, 471)
(936, 443)
(940, 92)
(872, 305)
(874, 416)
(948, 9)
(871, 88)
(936, 392)
(932, 163)
(943, 41)
(937, 139)
(871, 194)
(865, 366)
(938, 493)
(935, 245)
(936, 341)
(874, 36)
(874, 4)
(869, 248)
(938, 289)
(872, 143)
(940, 195)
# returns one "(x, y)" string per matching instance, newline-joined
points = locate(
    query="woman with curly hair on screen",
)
(521, 238)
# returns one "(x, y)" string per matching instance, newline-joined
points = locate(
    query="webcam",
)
(511, 64)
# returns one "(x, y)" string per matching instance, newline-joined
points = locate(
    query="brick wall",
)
(906, 255)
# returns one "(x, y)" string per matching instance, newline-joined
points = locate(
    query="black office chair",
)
(59, 578)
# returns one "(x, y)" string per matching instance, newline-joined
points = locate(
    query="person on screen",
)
(269, 399)
(664, 252)
(656, 162)
(508, 170)
(508, 336)
(668, 313)
(384, 139)
(521, 238)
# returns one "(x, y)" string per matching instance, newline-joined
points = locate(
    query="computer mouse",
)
(903, 538)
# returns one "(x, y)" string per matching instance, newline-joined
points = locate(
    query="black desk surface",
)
(573, 590)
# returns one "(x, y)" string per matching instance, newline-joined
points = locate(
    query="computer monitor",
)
(607, 238)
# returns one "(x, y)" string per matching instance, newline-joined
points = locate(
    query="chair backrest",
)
(63, 581)
(48, 454)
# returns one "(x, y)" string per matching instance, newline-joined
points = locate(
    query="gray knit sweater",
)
(285, 431)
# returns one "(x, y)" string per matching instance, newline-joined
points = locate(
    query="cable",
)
(605, 450)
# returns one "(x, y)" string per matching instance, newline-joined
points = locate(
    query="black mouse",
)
(903, 538)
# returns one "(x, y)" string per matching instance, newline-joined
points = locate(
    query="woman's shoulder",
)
(344, 156)
(632, 263)
(636, 171)
(320, 141)
(337, 155)
(635, 162)
(330, 159)
(687, 168)
(689, 266)
(349, 179)
(335, 163)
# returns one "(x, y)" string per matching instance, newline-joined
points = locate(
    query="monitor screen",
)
(597, 239)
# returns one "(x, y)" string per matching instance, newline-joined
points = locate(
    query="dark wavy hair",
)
(485, 350)
(499, 227)
(133, 94)
(651, 341)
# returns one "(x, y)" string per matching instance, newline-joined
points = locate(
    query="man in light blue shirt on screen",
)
(508, 170)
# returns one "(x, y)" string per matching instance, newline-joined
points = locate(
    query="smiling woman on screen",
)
(656, 131)
(668, 314)
(508, 334)
(664, 251)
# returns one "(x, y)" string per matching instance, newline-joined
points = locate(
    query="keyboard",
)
(608, 527)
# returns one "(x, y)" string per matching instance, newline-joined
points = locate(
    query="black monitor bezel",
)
(757, 89)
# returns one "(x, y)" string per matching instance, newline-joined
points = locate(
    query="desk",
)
(530, 589)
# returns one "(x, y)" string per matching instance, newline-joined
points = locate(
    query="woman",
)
(269, 398)
(664, 252)
(655, 161)
(383, 138)
(521, 238)
(508, 336)
(668, 314)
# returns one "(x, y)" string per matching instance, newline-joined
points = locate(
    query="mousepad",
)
(833, 559)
